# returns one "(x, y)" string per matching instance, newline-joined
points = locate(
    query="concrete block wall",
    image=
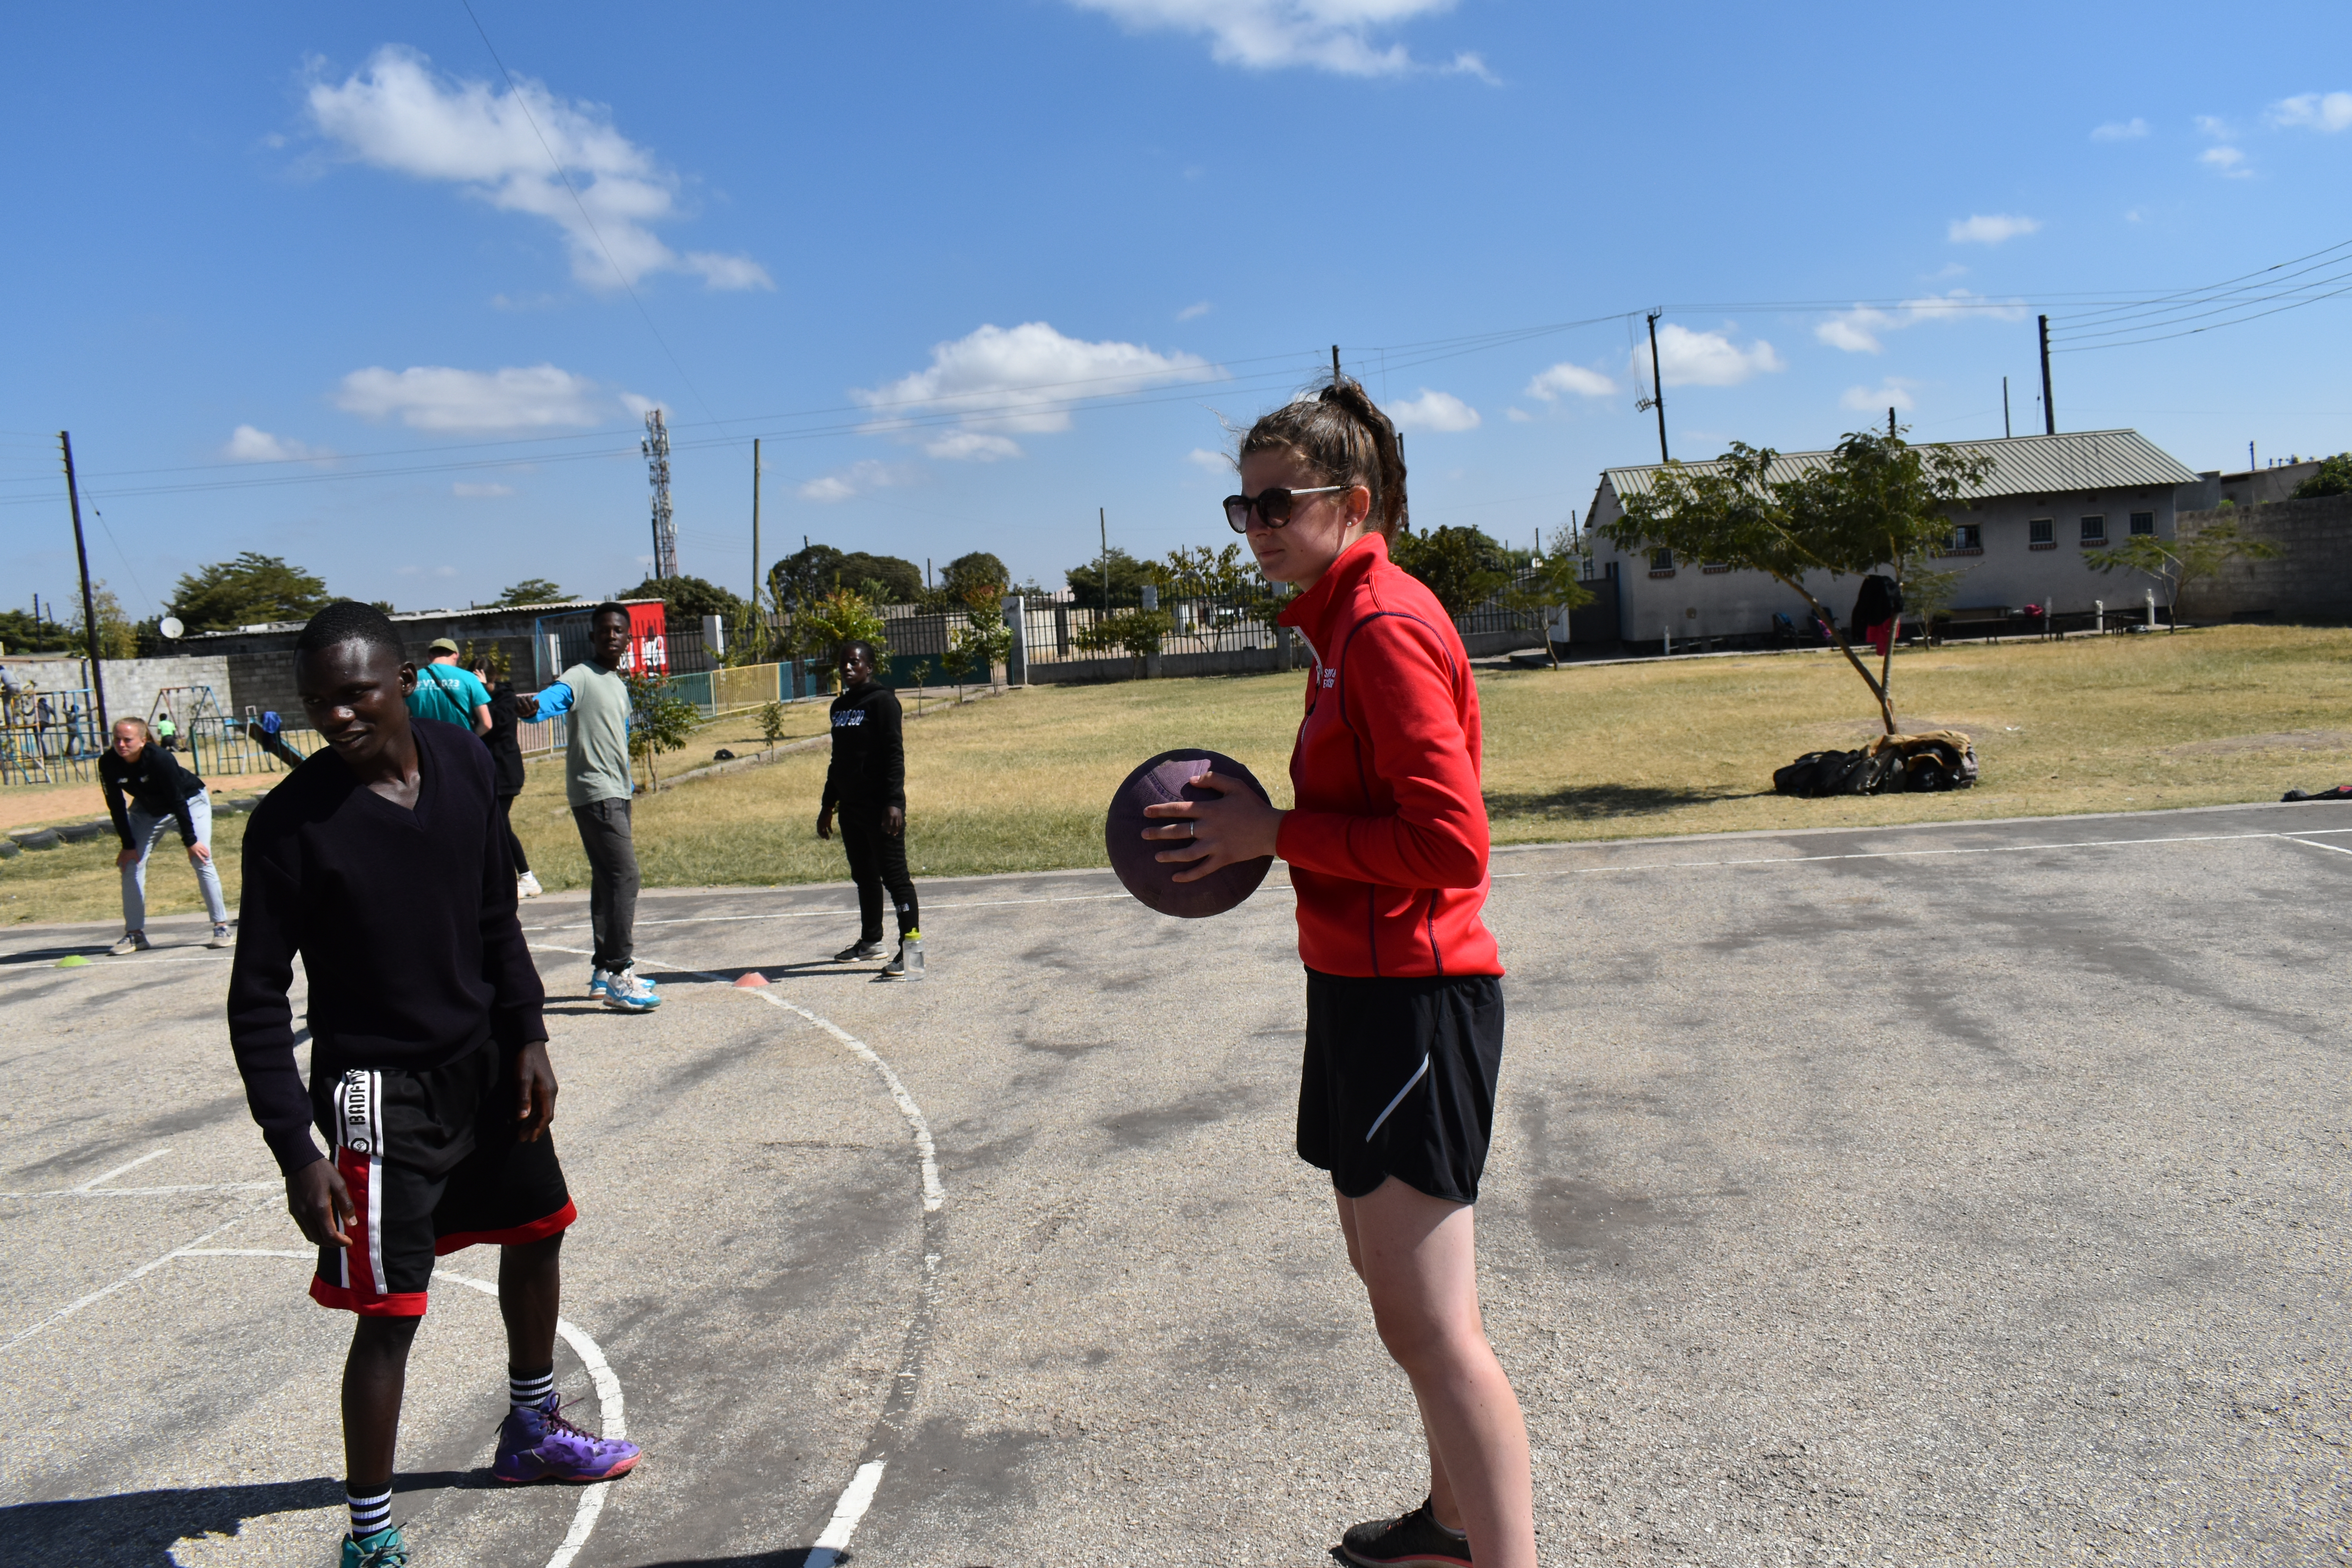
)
(2309, 580)
(132, 685)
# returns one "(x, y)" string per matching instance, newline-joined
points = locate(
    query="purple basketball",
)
(1168, 777)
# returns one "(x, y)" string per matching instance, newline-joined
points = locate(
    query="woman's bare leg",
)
(1417, 1257)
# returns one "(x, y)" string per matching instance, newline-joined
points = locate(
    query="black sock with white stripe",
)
(369, 1514)
(528, 1390)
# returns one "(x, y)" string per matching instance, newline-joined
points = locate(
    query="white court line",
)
(119, 1170)
(2316, 845)
(855, 1498)
(62, 1313)
(612, 1417)
(1911, 854)
(149, 1192)
(858, 1496)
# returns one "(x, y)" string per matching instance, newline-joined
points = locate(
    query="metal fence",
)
(49, 736)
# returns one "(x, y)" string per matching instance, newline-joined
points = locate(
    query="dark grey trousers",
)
(612, 880)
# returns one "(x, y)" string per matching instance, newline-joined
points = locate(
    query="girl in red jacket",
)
(1387, 847)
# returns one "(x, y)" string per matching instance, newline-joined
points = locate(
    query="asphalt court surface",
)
(1963, 1194)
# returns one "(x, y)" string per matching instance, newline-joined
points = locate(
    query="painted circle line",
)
(592, 1356)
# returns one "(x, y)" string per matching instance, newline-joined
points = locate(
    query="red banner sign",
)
(648, 650)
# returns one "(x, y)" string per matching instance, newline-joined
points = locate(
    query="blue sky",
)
(305, 279)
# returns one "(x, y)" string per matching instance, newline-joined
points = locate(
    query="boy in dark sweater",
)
(867, 784)
(382, 861)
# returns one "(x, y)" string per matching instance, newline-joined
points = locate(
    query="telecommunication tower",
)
(656, 447)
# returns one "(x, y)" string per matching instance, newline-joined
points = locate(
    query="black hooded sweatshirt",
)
(869, 753)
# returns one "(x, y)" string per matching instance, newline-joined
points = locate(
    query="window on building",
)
(2042, 534)
(1714, 568)
(1662, 563)
(2095, 530)
(2143, 524)
(1968, 539)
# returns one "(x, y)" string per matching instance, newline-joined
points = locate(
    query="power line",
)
(522, 103)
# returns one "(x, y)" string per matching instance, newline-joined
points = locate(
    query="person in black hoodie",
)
(867, 784)
(382, 863)
(505, 742)
(147, 791)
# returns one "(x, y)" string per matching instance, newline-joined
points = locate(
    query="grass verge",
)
(2200, 717)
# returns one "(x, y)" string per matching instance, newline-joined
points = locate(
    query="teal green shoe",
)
(384, 1549)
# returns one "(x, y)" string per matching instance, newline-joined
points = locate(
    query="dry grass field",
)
(1019, 783)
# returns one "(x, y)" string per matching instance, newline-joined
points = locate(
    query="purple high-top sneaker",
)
(539, 1444)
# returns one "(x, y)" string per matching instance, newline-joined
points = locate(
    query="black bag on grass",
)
(1818, 773)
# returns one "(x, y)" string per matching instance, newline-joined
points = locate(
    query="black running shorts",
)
(1400, 1081)
(433, 1164)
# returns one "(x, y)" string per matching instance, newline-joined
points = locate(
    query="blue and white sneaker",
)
(384, 1549)
(600, 981)
(626, 993)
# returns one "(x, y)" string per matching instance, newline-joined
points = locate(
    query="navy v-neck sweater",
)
(406, 921)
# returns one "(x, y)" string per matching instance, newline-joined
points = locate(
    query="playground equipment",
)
(48, 735)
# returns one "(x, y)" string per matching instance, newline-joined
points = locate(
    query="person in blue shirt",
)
(450, 694)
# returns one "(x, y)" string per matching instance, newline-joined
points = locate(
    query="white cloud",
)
(1266, 34)
(1563, 378)
(2120, 130)
(1990, 228)
(1194, 311)
(2318, 111)
(1434, 411)
(856, 479)
(247, 445)
(1861, 330)
(2213, 125)
(1518, 416)
(436, 397)
(397, 113)
(2226, 159)
(1215, 462)
(1019, 379)
(1890, 393)
(1686, 358)
(477, 492)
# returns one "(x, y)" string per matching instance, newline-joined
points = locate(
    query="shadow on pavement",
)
(136, 1530)
(1589, 801)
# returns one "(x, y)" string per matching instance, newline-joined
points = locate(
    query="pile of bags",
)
(1890, 764)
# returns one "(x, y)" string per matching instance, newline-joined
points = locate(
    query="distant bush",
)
(2334, 479)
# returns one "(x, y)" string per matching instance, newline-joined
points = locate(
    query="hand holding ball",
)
(1162, 796)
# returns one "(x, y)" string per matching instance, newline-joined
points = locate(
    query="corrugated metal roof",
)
(2023, 465)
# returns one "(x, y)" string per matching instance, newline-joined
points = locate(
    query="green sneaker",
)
(384, 1549)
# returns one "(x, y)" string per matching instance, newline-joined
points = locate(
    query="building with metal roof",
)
(2021, 537)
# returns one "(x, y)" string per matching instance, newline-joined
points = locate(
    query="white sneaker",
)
(625, 992)
(131, 941)
(527, 886)
(221, 937)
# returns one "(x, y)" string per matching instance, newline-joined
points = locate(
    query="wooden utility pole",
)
(2004, 408)
(2048, 411)
(1334, 365)
(1102, 519)
(755, 530)
(1658, 387)
(1890, 424)
(89, 600)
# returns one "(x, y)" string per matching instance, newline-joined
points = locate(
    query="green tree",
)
(534, 591)
(688, 599)
(1552, 583)
(1197, 572)
(1461, 566)
(836, 619)
(982, 642)
(805, 575)
(2176, 563)
(117, 637)
(20, 632)
(247, 591)
(659, 720)
(978, 573)
(1139, 632)
(1128, 576)
(1876, 502)
(2334, 479)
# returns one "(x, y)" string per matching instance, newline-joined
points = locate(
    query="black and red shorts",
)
(434, 1165)
(1399, 1080)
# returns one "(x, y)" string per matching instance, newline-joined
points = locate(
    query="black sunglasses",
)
(1273, 505)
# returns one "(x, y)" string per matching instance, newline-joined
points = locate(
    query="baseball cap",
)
(442, 645)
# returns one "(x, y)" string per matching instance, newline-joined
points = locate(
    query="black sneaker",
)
(859, 952)
(1416, 1540)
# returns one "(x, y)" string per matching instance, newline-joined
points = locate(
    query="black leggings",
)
(514, 845)
(877, 860)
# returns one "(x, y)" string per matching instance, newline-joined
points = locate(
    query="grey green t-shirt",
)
(596, 759)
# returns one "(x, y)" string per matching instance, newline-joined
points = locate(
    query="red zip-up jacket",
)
(1388, 844)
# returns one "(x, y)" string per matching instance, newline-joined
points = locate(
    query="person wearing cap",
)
(450, 694)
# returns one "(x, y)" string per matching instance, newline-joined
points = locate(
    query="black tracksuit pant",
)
(877, 861)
